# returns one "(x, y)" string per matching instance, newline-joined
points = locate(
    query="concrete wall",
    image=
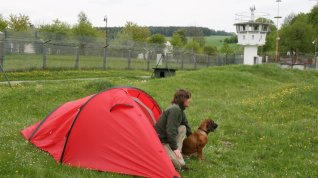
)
(249, 53)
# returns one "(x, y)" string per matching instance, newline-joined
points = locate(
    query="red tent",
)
(109, 131)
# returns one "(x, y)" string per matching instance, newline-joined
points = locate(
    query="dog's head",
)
(208, 125)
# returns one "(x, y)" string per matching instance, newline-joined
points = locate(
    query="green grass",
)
(211, 40)
(267, 116)
(215, 40)
(61, 74)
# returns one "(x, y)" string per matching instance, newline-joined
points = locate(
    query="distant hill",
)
(190, 31)
(169, 30)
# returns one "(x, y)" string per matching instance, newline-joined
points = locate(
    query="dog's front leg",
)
(200, 154)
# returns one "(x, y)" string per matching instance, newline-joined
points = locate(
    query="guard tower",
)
(251, 33)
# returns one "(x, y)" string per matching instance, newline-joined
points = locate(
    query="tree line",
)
(131, 34)
(169, 30)
(298, 34)
(190, 31)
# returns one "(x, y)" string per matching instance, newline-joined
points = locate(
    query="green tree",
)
(264, 20)
(210, 50)
(179, 38)
(197, 35)
(124, 39)
(313, 17)
(157, 38)
(136, 32)
(288, 20)
(298, 36)
(270, 43)
(226, 49)
(200, 40)
(232, 39)
(3, 23)
(58, 31)
(84, 31)
(18, 22)
(193, 46)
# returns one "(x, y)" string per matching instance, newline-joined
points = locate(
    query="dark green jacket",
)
(168, 124)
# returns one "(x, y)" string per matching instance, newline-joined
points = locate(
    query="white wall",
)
(251, 38)
(249, 53)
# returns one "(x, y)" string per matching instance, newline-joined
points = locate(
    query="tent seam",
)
(42, 122)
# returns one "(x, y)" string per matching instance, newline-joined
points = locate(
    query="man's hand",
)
(178, 153)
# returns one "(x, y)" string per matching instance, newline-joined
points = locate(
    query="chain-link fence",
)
(293, 60)
(35, 50)
(25, 51)
(17, 55)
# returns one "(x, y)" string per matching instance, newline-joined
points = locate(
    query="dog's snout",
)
(215, 126)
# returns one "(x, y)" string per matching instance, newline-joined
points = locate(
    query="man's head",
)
(182, 97)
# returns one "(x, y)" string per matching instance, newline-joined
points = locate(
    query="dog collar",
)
(204, 130)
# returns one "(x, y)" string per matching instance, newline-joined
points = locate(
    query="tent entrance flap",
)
(145, 108)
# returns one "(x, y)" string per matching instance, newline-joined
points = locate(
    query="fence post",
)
(208, 60)
(194, 60)
(1, 52)
(218, 60)
(44, 66)
(129, 58)
(77, 60)
(148, 61)
(2, 46)
(165, 59)
(1, 62)
(44, 56)
(105, 57)
(182, 61)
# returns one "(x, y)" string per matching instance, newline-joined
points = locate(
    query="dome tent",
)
(109, 131)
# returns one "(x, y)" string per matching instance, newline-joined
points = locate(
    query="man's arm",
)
(185, 123)
(173, 123)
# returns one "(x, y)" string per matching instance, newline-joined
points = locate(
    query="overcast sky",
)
(217, 15)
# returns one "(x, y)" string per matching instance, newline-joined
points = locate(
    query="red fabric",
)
(147, 100)
(110, 133)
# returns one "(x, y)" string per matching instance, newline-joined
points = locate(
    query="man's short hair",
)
(180, 96)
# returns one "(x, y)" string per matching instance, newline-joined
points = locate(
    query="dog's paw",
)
(201, 158)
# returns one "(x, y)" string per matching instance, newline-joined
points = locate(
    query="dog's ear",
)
(210, 125)
(204, 124)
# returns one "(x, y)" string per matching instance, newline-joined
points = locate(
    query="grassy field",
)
(215, 40)
(211, 40)
(218, 42)
(267, 117)
(25, 62)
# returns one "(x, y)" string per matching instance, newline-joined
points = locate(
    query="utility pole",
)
(277, 35)
(106, 44)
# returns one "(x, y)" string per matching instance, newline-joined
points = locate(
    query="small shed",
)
(164, 72)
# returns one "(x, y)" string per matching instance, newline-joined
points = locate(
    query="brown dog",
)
(198, 139)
